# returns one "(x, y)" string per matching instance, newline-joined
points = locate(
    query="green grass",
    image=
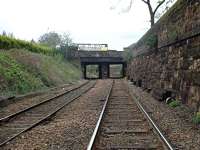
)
(59, 71)
(15, 78)
(196, 118)
(174, 103)
(27, 67)
(22, 71)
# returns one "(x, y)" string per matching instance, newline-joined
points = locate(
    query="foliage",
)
(58, 70)
(9, 43)
(196, 118)
(51, 39)
(174, 103)
(17, 79)
(22, 71)
(62, 42)
(55, 40)
(152, 41)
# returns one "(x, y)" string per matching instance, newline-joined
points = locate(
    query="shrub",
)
(9, 43)
(196, 118)
(17, 79)
(174, 103)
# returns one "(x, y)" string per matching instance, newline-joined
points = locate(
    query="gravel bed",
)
(176, 123)
(29, 101)
(71, 128)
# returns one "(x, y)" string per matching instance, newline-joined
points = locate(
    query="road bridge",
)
(103, 59)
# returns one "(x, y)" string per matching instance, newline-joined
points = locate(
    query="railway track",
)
(15, 124)
(19, 106)
(9, 107)
(124, 124)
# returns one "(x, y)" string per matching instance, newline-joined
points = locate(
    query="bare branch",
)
(147, 2)
(160, 3)
(152, 11)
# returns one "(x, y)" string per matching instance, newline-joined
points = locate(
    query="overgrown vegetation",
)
(22, 71)
(196, 118)
(30, 66)
(174, 103)
(7, 43)
(14, 78)
(59, 41)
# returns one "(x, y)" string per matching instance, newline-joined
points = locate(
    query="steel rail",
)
(94, 135)
(4, 119)
(45, 118)
(165, 141)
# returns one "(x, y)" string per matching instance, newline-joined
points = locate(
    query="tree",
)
(55, 40)
(51, 39)
(65, 39)
(62, 42)
(152, 10)
(33, 41)
(11, 35)
(4, 33)
(66, 45)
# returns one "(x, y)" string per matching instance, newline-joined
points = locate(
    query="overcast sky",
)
(88, 21)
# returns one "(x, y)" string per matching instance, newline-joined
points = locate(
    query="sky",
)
(87, 21)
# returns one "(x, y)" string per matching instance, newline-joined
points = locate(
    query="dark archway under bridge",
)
(103, 59)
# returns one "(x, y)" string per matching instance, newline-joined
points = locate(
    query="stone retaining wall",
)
(168, 55)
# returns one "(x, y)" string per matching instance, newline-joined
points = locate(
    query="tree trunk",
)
(152, 15)
(151, 11)
(152, 19)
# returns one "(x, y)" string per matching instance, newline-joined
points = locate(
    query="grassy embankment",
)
(27, 67)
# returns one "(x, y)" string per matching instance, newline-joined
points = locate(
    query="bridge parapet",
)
(109, 53)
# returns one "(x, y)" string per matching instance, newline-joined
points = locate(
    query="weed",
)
(196, 118)
(17, 78)
(174, 103)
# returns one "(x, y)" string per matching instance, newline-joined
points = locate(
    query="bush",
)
(16, 78)
(196, 118)
(174, 103)
(9, 43)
